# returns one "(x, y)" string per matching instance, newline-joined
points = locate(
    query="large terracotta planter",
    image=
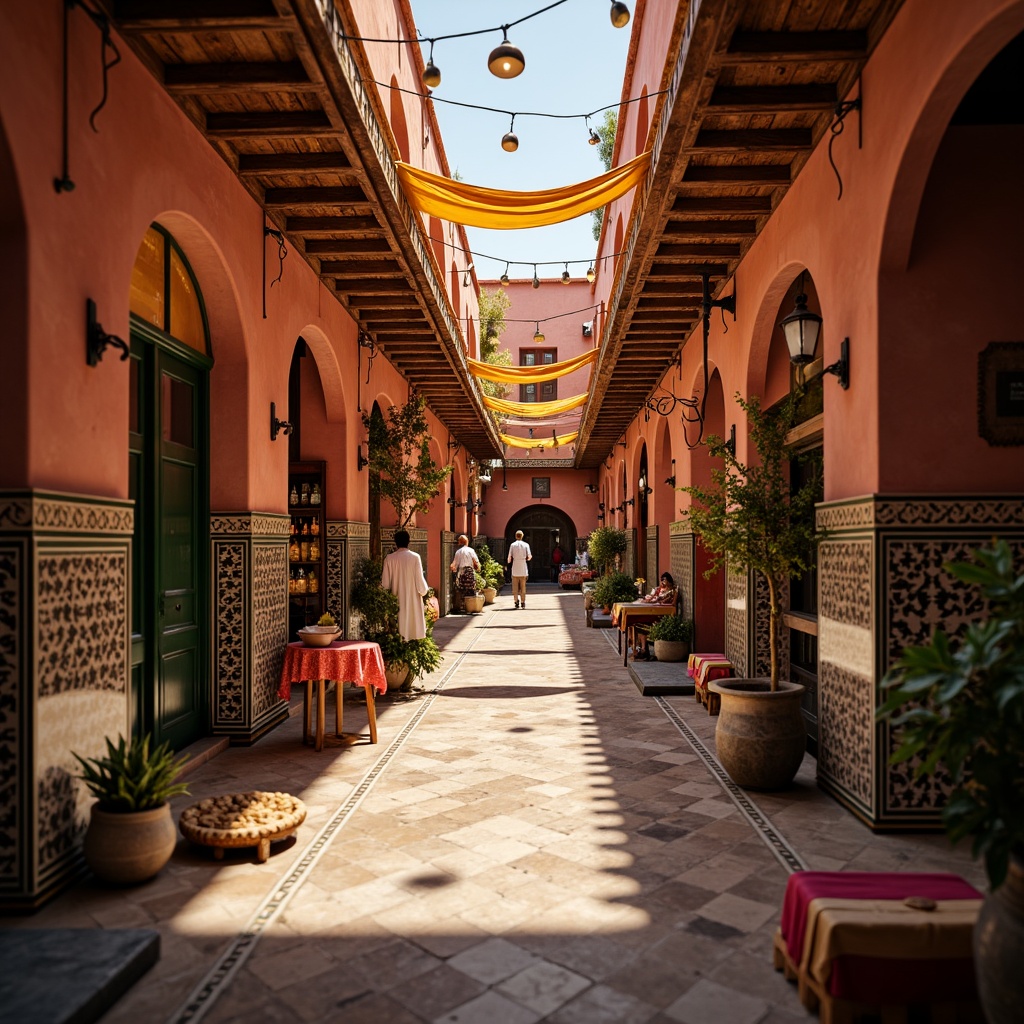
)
(129, 847)
(671, 650)
(999, 949)
(397, 675)
(760, 737)
(473, 602)
(490, 593)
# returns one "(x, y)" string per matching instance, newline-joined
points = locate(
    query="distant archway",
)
(543, 527)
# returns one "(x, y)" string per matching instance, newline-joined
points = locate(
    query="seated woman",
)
(664, 592)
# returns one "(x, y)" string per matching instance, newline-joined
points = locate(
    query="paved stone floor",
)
(531, 839)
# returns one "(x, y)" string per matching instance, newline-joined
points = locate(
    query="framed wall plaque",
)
(542, 487)
(1001, 393)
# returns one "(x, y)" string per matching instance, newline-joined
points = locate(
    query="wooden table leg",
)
(321, 712)
(371, 711)
(339, 710)
(307, 712)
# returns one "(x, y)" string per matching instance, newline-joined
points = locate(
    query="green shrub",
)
(673, 629)
(422, 656)
(378, 607)
(614, 588)
(605, 543)
(131, 777)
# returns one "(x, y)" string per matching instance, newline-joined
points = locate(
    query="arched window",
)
(164, 291)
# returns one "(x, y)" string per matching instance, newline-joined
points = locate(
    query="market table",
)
(345, 661)
(633, 613)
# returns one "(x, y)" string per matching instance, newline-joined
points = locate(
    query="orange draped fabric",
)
(530, 374)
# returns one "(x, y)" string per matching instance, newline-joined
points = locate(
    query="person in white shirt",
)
(519, 554)
(403, 576)
(465, 565)
(583, 559)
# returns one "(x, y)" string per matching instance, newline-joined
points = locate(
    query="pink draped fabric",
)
(347, 661)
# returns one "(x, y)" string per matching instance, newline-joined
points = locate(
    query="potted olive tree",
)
(614, 588)
(958, 706)
(606, 544)
(130, 836)
(750, 519)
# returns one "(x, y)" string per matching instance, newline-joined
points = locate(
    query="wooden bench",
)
(880, 943)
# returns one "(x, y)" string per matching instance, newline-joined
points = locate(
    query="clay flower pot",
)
(473, 602)
(397, 675)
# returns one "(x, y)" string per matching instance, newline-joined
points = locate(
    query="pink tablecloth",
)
(348, 661)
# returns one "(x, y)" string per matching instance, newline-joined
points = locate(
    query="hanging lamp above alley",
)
(506, 60)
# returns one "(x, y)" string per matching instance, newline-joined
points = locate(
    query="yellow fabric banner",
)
(538, 442)
(539, 409)
(481, 207)
(530, 374)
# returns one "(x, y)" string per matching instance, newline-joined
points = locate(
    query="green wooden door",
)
(167, 473)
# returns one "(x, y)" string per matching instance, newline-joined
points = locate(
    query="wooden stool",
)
(339, 713)
(702, 669)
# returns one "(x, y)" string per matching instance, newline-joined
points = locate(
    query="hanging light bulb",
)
(465, 276)
(619, 14)
(566, 279)
(537, 334)
(593, 138)
(510, 141)
(506, 60)
(431, 76)
(503, 280)
(591, 274)
(536, 279)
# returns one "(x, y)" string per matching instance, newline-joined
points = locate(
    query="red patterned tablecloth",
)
(348, 661)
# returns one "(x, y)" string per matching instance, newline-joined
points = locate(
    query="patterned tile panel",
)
(846, 707)
(45, 512)
(844, 571)
(336, 580)
(761, 627)
(229, 630)
(269, 625)
(246, 524)
(681, 544)
(736, 621)
(952, 512)
(82, 624)
(12, 656)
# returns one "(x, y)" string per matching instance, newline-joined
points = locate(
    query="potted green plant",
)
(130, 835)
(614, 588)
(475, 602)
(958, 705)
(606, 545)
(751, 519)
(404, 660)
(671, 637)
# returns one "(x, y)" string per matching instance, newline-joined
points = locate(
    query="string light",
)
(536, 279)
(591, 275)
(593, 137)
(506, 60)
(619, 14)
(537, 334)
(566, 279)
(431, 76)
(510, 141)
(503, 280)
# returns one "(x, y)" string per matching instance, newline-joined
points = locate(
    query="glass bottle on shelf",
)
(304, 542)
(293, 496)
(304, 496)
(315, 528)
(312, 584)
(294, 551)
(314, 498)
(300, 582)
(314, 548)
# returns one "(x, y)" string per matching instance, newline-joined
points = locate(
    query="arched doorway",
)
(544, 528)
(168, 446)
(645, 557)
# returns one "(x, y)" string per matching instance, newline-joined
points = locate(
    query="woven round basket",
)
(256, 818)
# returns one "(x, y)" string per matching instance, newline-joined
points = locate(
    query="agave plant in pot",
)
(749, 519)
(958, 706)
(131, 835)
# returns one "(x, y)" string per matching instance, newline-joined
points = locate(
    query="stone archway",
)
(543, 527)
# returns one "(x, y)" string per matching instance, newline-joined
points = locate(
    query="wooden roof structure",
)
(752, 87)
(277, 90)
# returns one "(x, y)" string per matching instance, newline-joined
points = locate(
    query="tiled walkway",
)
(530, 840)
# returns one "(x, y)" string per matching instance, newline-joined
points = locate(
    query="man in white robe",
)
(403, 576)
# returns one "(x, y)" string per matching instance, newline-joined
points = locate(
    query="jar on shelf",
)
(293, 496)
(314, 497)
(304, 495)
(312, 583)
(294, 550)
(315, 528)
(300, 582)
(314, 550)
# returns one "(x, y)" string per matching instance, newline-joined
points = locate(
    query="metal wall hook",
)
(841, 110)
(278, 426)
(97, 340)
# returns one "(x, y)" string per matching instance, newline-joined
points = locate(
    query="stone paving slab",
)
(531, 839)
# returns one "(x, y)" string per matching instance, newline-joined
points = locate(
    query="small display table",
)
(703, 669)
(629, 614)
(345, 661)
(857, 939)
(242, 819)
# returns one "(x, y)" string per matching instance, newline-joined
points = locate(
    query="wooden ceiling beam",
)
(709, 228)
(687, 206)
(358, 223)
(369, 307)
(344, 246)
(737, 174)
(686, 272)
(752, 140)
(361, 268)
(314, 195)
(373, 286)
(696, 250)
(251, 165)
(790, 47)
(271, 124)
(242, 76)
(771, 99)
